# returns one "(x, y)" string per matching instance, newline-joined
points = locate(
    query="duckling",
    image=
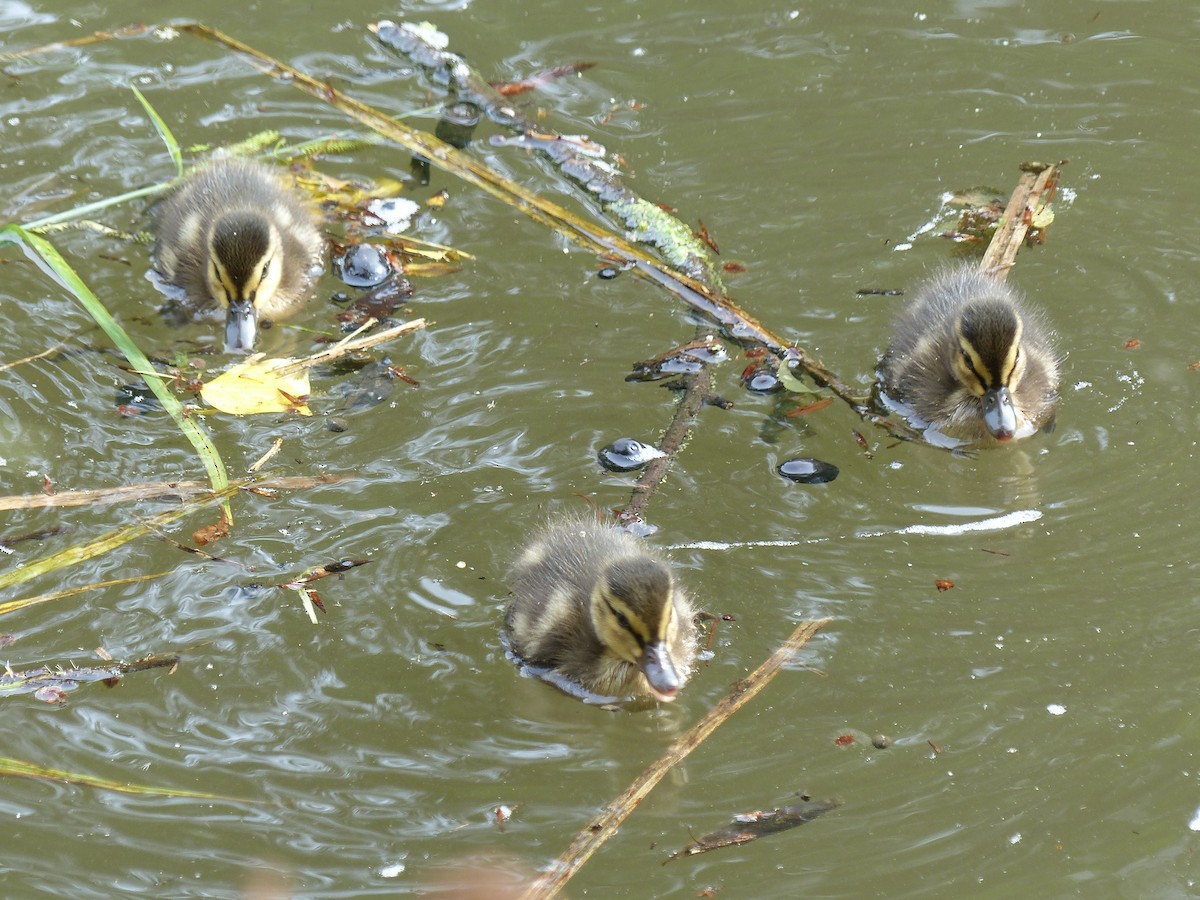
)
(600, 614)
(971, 362)
(234, 235)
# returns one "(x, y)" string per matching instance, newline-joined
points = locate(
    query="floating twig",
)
(1033, 192)
(352, 344)
(52, 685)
(747, 827)
(155, 490)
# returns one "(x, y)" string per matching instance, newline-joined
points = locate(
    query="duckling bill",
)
(599, 613)
(233, 235)
(971, 361)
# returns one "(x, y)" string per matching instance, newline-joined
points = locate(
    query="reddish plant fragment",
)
(210, 534)
(811, 407)
(844, 740)
(502, 814)
(295, 402)
(314, 598)
(943, 584)
(707, 238)
(333, 568)
(50, 695)
(514, 88)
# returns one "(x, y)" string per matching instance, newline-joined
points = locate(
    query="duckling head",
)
(633, 614)
(989, 362)
(245, 265)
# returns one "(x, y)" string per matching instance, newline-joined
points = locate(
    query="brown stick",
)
(153, 490)
(698, 388)
(94, 38)
(351, 344)
(1033, 191)
(606, 824)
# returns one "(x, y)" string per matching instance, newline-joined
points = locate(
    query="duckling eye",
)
(263, 275)
(622, 621)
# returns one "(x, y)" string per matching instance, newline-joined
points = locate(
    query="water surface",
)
(371, 751)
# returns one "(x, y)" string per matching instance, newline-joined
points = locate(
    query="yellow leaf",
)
(1042, 218)
(256, 386)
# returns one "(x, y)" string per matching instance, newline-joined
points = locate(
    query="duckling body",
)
(971, 361)
(593, 606)
(233, 235)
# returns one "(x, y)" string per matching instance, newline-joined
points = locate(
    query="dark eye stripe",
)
(624, 622)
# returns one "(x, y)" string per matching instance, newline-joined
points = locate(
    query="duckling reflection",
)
(234, 235)
(971, 362)
(599, 613)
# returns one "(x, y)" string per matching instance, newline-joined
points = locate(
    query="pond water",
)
(367, 754)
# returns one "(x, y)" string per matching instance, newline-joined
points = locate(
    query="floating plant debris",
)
(394, 213)
(761, 380)
(750, 826)
(685, 359)
(367, 385)
(808, 408)
(259, 385)
(378, 302)
(806, 470)
(789, 372)
(51, 685)
(627, 454)
(137, 398)
(363, 266)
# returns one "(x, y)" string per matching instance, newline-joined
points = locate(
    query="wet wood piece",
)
(747, 827)
(1034, 190)
(581, 160)
(697, 392)
(53, 685)
(685, 358)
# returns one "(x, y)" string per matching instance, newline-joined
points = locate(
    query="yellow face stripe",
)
(262, 278)
(980, 375)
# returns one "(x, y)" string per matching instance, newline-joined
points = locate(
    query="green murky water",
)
(372, 750)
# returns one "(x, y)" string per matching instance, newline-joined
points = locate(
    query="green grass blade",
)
(88, 208)
(42, 252)
(23, 769)
(103, 544)
(24, 602)
(253, 145)
(163, 130)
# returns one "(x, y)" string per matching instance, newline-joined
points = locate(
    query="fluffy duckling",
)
(971, 362)
(234, 235)
(600, 614)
